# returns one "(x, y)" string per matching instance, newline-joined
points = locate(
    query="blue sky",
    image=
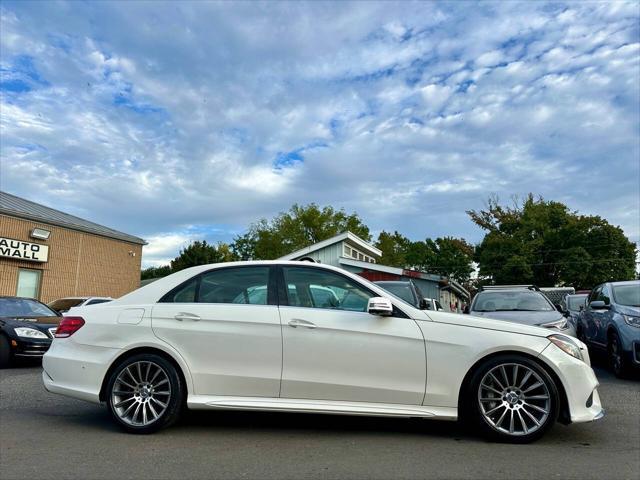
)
(180, 121)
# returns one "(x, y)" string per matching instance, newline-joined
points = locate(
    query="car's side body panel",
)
(231, 349)
(352, 356)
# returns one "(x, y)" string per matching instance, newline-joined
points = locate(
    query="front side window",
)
(574, 302)
(315, 288)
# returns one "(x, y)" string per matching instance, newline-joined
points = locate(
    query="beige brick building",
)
(47, 254)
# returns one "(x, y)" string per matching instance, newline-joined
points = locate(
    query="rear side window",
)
(246, 285)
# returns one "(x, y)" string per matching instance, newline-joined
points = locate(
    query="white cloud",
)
(157, 120)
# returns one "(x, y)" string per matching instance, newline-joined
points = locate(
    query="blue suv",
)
(610, 321)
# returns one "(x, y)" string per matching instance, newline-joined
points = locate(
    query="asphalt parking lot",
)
(43, 435)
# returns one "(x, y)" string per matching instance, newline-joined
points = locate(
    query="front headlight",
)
(630, 320)
(567, 345)
(561, 324)
(27, 332)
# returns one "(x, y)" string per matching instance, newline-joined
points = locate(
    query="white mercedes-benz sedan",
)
(304, 337)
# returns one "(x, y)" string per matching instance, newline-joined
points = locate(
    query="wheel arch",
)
(564, 413)
(136, 351)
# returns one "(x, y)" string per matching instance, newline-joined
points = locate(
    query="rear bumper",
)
(579, 382)
(76, 370)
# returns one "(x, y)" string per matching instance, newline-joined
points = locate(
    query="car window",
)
(248, 285)
(24, 307)
(96, 301)
(605, 296)
(402, 290)
(315, 288)
(628, 295)
(186, 293)
(574, 302)
(595, 293)
(526, 300)
(64, 304)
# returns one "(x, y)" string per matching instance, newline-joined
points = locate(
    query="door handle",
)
(298, 322)
(186, 316)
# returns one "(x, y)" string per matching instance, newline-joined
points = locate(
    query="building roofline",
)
(17, 207)
(330, 241)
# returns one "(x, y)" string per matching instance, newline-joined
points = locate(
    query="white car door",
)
(334, 350)
(226, 326)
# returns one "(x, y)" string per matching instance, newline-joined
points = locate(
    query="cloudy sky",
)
(180, 121)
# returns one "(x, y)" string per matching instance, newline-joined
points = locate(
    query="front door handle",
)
(187, 316)
(298, 322)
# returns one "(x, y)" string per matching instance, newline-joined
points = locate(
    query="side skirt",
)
(206, 402)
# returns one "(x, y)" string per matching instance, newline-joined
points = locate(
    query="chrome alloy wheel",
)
(514, 399)
(141, 393)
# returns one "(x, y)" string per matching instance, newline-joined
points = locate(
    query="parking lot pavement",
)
(43, 435)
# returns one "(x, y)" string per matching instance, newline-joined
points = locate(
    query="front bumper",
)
(34, 348)
(579, 382)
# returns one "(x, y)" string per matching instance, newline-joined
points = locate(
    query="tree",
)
(546, 244)
(155, 272)
(297, 228)
(447, 256)
(394, 247)
(201, 253)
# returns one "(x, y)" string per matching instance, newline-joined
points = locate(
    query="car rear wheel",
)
(5, 352)
(145, 393)
(513, 399)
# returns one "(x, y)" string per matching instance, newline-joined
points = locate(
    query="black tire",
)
(168, 378)
(615, 356)
(5, 352)
(477, 409)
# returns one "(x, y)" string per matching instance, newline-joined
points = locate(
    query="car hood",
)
(488, 323)
(41, 323)
(526, 318)
(628, 310)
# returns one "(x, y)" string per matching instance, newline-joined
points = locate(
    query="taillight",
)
(68, 326)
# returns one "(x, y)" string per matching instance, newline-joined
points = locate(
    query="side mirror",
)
(380, 306)
(424, 304)
(466, 310)
(559, 308)
(598, 305)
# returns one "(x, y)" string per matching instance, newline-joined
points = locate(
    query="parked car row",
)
(27, 326)
(606, 319)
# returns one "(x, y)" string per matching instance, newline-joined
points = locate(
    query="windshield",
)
(400, 290)
(65, 304)
(628, 295)
(574, 302)
(525, 301)
(24, 307)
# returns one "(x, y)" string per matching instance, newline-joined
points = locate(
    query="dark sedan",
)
(26, 328)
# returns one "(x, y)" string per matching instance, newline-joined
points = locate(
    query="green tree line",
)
(534, 241)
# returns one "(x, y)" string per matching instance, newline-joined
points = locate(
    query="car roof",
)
(626, 282)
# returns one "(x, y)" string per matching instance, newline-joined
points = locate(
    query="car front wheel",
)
(145, 393)
(513, 399)
(616, 356)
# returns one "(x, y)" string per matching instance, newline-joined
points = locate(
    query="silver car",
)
(521, 304)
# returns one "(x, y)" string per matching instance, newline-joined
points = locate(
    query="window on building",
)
(28, 283)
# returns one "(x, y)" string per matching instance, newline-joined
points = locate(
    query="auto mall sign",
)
(33, 252)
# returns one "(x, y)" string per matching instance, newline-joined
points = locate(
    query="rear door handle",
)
(298, 322)
(187, 316)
